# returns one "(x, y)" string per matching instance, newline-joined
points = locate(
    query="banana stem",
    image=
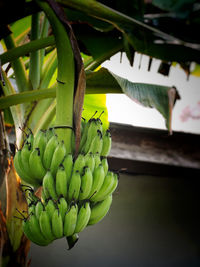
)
(65, 77)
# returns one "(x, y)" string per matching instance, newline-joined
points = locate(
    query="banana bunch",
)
(50, 220)
(75, 192)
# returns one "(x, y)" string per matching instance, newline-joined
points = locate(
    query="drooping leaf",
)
(155, 96)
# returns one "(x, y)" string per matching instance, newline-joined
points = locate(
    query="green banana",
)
(97, 160)
(104, 162)
(79, 163)
(105, 189)
(31, 235)
(68, 165)
(31, 208)
(38, 209)
(57, 224)
(96, 144)
(61, 182)
(98, 179)
(25, 154)
(74, 186)
(49, 150)
(86, 183)
(83, 217)
(50, 208)
(45, 225)
(40, 141)
(90, 161)
(92, 131)
(49, 186)
(35, 230)
(58, 157)
(36, 167)
(30, 138)
(84, 134)
(107, 142)
(99, 210)
(49, 133)
(20, 171)
(70, 220)
(62, 206)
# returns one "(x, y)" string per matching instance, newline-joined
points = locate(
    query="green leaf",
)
(20, 28)
(155, 96)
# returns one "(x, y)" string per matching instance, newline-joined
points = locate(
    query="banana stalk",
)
(65, 77)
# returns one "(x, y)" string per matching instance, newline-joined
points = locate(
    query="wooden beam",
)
(146, 150)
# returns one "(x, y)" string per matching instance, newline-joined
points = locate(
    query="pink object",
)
(191, 112)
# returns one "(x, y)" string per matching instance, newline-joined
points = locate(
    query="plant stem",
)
(65, 78)
(22, 50)
(18, 67)
(34, 71)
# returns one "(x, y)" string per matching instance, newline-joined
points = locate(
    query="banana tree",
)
(51, 76)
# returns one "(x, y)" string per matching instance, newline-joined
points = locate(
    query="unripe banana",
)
(97, 160)
(38, 209)
(30, 138)
(84, 134)
(96, 144)
(83, 217)
(86, 183)
(50, 208)
(70, 220)
(98, 179)
(90, 161)
(99, 210)
(49, 150)
(104, 163)
(31, 208)
(49, 133)
(62, 206)
(115, 184)
(25, 154)
(20, 171)
(61, 182)
(58, 157)
(107, 142)
(45, 225)
(99, 124)
(92, 131)
(40, 141)
(49, 186)
(105, 189)
(68, 165)
(79, 163)
(36, 166)
(35, 229)
(74, 186)
(31, 236)
(57, 224)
